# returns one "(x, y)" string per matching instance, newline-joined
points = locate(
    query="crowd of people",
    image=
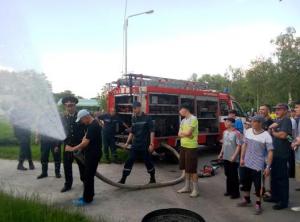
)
(251, 151)
(266, 147)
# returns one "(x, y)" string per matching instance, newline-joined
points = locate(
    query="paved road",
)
(123, 205)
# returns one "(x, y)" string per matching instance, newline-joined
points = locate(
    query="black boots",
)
(152, 178)
(44, 171)
(42, 176)
(57, 169)
(31, 165)
(65, 189)
(21, 166)
(123, 180)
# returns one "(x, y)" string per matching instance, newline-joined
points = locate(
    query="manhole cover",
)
(173, 215)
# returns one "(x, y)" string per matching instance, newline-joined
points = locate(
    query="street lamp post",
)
(125, 35)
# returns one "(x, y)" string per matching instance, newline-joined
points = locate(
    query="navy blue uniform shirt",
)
(142, 126)
(110, 123)
(74, 131)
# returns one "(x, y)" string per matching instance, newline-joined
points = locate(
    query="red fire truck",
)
(161, 99)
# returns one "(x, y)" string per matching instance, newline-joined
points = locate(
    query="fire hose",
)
(139, 186)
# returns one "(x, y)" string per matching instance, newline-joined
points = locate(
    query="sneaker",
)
(296, 209)
(79, 203)
(244, 203)
(258, 209)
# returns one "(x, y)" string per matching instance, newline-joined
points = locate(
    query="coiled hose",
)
(140, 186)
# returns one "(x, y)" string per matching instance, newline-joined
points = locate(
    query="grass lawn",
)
(9, 149)
(6, 133)
(13, 209)
(11, 152)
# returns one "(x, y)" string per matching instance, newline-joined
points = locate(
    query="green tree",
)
(288, 65)
(260, 79)
(217, 82)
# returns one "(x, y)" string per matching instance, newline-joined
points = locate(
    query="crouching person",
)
(257, 143)
(188, 134)
(91, 147)
(230, 153)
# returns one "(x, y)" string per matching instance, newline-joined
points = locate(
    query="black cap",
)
(233, 112)
(230, 119)
(136, 104)
(281, 106)
(186, 106)
(258, 118)
(71, 99)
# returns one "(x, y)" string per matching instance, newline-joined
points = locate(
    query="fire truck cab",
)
(161, 99)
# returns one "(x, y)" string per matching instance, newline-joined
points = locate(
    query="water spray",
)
(26, 101)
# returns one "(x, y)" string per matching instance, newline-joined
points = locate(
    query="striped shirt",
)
(257, 146)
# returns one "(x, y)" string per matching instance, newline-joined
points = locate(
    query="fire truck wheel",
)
(140, 186)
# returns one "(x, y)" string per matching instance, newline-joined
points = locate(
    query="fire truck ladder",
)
(144, 80)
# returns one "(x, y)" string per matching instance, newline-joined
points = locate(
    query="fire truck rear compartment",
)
(166, 125)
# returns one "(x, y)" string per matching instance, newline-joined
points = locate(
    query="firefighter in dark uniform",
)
(74, 135)
(24, 138)
(110, 121)
(49, 144)
(142, 133)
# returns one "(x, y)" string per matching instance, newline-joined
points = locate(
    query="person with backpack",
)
(230, 153)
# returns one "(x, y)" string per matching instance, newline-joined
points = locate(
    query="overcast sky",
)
(78, 44)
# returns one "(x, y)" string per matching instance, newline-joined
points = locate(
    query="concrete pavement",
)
(116, 204)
